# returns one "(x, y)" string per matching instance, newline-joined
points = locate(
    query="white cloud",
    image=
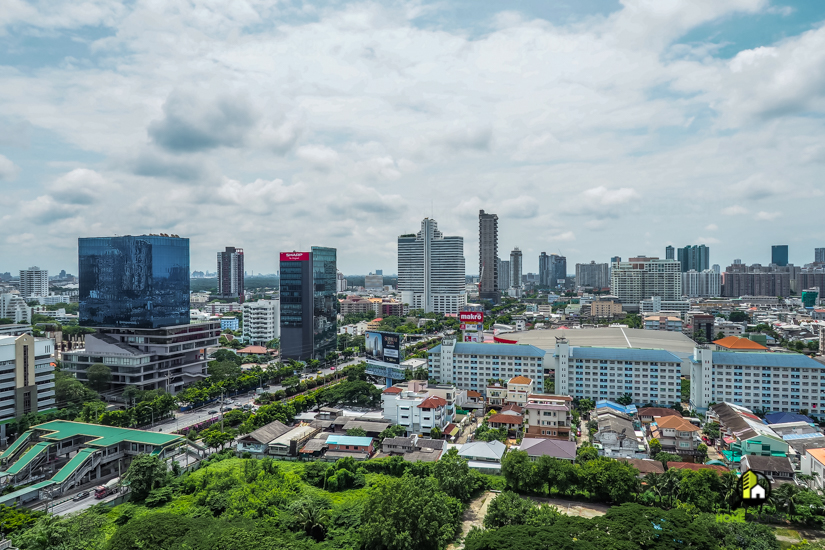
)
(610, 197)
(734, 210)
(318, 156)
(711, 227)
(8, 170)
(81, 186)
(767, 216)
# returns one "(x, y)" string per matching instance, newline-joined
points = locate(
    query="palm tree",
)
(671, 480)
(313, 518)
(654, 483)
(785, 497)
(727, 486)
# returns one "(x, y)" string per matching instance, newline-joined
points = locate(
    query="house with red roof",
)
(417, 407)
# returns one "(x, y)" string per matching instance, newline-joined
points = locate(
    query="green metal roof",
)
(30, 455)
(106, 436)
(19, 441)
(11, 497)
(72, 465)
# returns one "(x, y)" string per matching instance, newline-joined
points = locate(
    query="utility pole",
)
(221, 410)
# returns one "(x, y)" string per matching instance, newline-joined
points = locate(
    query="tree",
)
(626, 399)
(738, 317)
(146, 473)
(409, 513)
(99, 376)
(702, 449)
(357, 432)
(655, 446)
(508, 509)
(455, 476)
(586, 453)
(435, 432)
(720, 335)
(586, 405)
(223, 370)
(664, 458)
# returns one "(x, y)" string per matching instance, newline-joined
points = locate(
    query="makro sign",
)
(471, 317)
(294, 256)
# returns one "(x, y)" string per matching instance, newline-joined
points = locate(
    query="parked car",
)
(80, 496)
(332, 368)
(212, 412)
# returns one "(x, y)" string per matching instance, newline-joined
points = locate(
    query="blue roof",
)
(349, 440)
(765, 359)
(791, 437)
(628, 410)
(624, 354)
(783, 417)
(473, 348)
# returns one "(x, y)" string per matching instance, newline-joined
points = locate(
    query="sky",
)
(593, 128)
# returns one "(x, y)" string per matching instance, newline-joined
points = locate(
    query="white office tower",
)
(34, 282)
(431, 270)
(640, 278)
(701, 284)
(261, 321)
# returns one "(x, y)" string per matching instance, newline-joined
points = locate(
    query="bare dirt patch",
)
(575, 507)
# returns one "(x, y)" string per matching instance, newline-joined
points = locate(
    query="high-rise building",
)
(379, 271)
(488, 288)
(373, 282)
(134, 281)
(14, 308)
(695, 257)
(559, 269)
(642, 277)
(669, 252)
(516, 267)
(231, 273)
(341, 282)
(717, 268)
(701, 284)
(756, 280)
(261, 321)
(779, 254)
(134, 291)
(431, 270)
(545, 275)
(309, 304)
(27, 378)
(819, 255)
(737, 261)
(34, 282)
(592, 275)
(503, 274)
(615, 259)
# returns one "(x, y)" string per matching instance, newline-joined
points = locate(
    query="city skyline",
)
(715, 137)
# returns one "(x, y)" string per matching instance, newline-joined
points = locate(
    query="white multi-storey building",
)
(431, 270)
(657, 305)
(14, 307)
(470, 365)
(640, 278)
(26, 378)
(261, 321)
(592, 275)
(34, 282)
(648, 375)
(785, 382)
(417, 407)
(696, 284)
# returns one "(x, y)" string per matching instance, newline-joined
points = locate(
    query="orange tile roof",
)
(676, 423)
(392, 389)
(257, 350)
(520, 380)
(473, 393)
(818, 454)
(433, 402)
(505, 419)
(737, 342)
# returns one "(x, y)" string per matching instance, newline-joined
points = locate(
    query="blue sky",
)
(593, 128)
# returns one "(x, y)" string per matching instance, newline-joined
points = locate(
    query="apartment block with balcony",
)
(548, 416)
(416, 408)
(261, 321)
(26, 378)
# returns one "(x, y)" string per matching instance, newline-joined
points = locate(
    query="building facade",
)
(648, 375)
(261, 321)
(15, 308)
(548, 416)
(694, 257)
(488, 263)
(782, 382)
(516, 268)
(779, 254)
(34, 282)
(374, 282)
(134, 281)
(819, 255)
(592, 275)
(701, 284)
(231, 273)
(27, 377)
(663, 322)
(503, 275)
(431, 270)
(642, 277)
(469, 366)
(545, 271)
(416, 409)
(607, 307)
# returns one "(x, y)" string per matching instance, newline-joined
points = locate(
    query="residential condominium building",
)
(740, 280)
(782, 382)
(592, 275)
(647, 375)
(431, 270)
(231, 273)
(416, 408)
(516, 268)
(548, 416)
(488, 262)
(642, 277)
(470, 365)
(668, 323)
(261, 321)
(503, 275)
(34, 282)
(701, 284)
(26, 377)
(606, 307)
(656, 305)
(694, 257)
(14, 308)
(373, 282)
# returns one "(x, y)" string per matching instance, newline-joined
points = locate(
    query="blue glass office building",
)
(325, 301)
(779, 254)
(134, 281)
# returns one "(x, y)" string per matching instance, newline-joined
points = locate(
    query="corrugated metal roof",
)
(755, 359)
(791, 437)
(349, 440)
(473, 348)
(624, 354)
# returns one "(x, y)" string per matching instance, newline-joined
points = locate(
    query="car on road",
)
(247, 407)
(80, 496)
(332, 368)
(227, 408)
(320, 372)
(212, 412)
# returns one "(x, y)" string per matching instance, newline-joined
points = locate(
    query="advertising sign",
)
(294, 256)
(385, 372)
(471, 317)
(467, 326)
(472, 337)
(383, 348)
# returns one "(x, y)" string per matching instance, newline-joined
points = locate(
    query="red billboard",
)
(471, 317)
(294, 256)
